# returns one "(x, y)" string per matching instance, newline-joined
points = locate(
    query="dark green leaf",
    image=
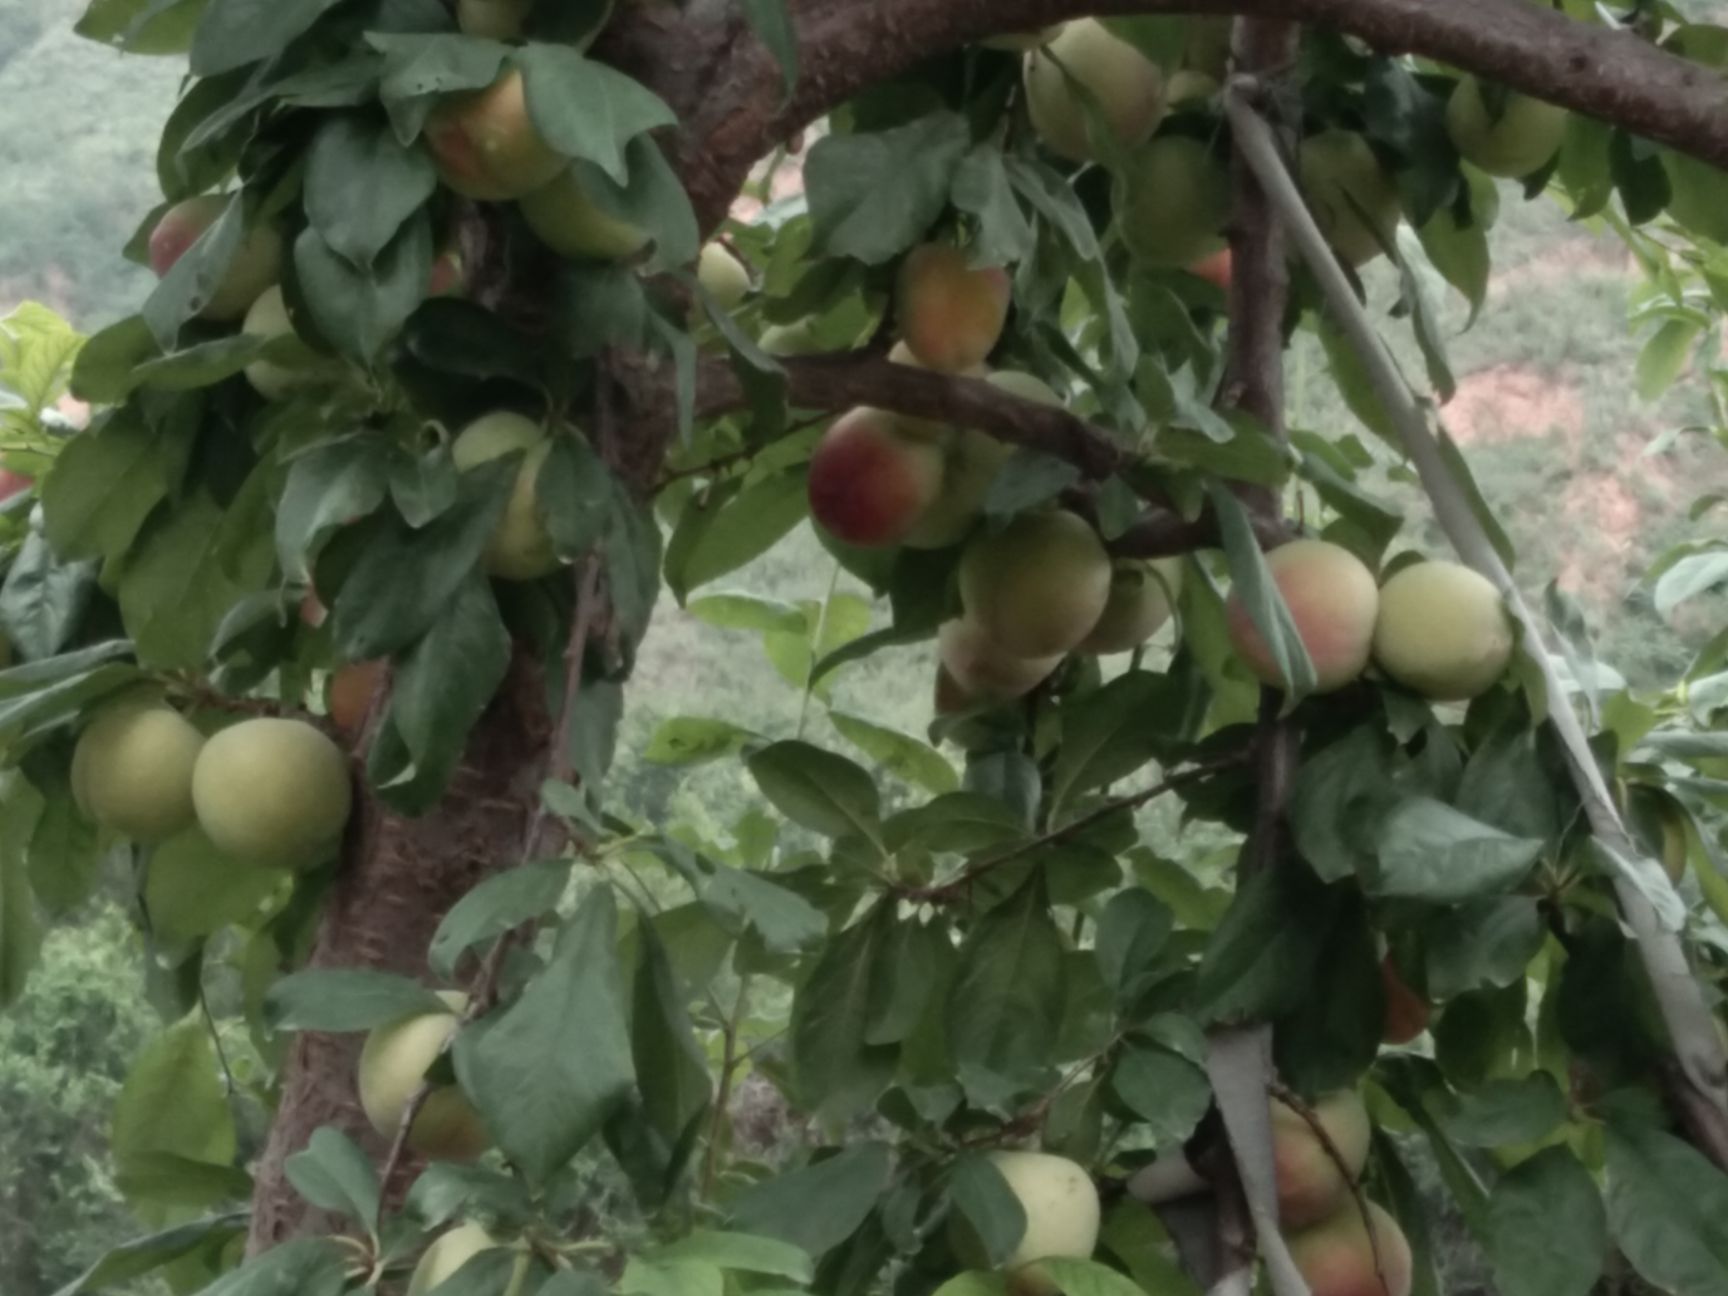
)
(340, 999)
(236, 32)
(1547, 1229)
(840, 1073)
(817, 789)
(1668, 1210)
(585, 109)
(362, 184)
(498, 904)
(992, 1212)
(874, 195)
(1429, 851)
(334, 1174)
(820, 1206)
(328, 487)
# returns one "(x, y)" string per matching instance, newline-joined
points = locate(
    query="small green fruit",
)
(520, 548)
(1519, 142)
(1141, 595)
(133, 770)
(270, 792)
(1038, 586)
(1353, 199)
(393, 1064)
(723, 277)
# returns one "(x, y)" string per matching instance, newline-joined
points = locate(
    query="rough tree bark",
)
(401, 876)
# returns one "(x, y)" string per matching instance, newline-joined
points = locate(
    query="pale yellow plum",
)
(1337, 1257)
(520, 548)
(271, 792)
(132, 770)
(1516, 143)
(1141, 595)
(979, 668)
(1311, 1186)
(1174, 203)
(1127, 86)
(1062, 1216)
(486, 146)
(1333, 601)
(1443, 631)
(951, 315)
(723, 276)
(1352, 197)
(393, 1064)
(1038, 586)
(795, 339)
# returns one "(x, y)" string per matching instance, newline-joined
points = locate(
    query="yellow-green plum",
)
(1332, 599)
(486, 146)
(520, 548)
(872, 479)
(132, 770)
(1038, 586)
(1127, 86)
(1513, 143)
(448, 1252)
(1140, 600)
(1336, 1258)
(974, 459)
(722, 276)
(1023, 42)
(982, 672)
(795, 339)
(1174, 202)
(271, 792)
(1062, 1217)
(393, 1064)
(271, 379)
(572, 224)
(1311, 1187)
(255, 265)
(1442, 631)
(951, 315)
(1353, 199)
(492, 19)
(1190, 86)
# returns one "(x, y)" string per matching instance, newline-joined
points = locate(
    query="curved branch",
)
(732, 100)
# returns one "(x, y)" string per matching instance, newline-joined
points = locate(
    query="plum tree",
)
(519, 548)
(273, 792)
(348, 695)
(1062, 1219)
(1353, 199)
(1126, 85)
(1141, 597)
(1311, 1186)
(394, 1063)
(485, 145)
(492, 19)
(1174, 201)
(134, 766)
(950, 315)
(973, 461)
(255, 266)
(271, 379)
(1407, 1013)
(981, 672)
(1442, 631)
(1332, 599)
(872, 479)
(723, 276)
(1511, 138)
(1039, 585)
(1337, 1257)
(572, 224)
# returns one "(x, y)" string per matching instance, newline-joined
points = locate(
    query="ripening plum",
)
(1353, 199)
(520, 548)
(871, 479)
(256, 264)
(1310, 1185)
(1141, 596)
(393, 1063)
(979, 668)
(573, 225)
(1517, 141)
(974, 460)
(951, 316)
(1173, 204)
(485, 145)
(1128, 88)
(723, 276)
(1336, 1258)
(1332, 599)
(1443, 631)
(273, 792)
(1038, 586)
(132, 770)
(1063, 1217)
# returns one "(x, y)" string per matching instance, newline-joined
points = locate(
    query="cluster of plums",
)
(269, 792)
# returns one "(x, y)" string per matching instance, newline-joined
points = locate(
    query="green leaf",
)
(1261, 959)
(305, 1266)
(772, 23)
(1132, 933)
(501, 902)
(839, 1073)
(328, 487)
(172, 1105)
(1341, 795)
(360, 309)
(715, 537)
(145, 1255)
(992, 1211)
(1459, 251)
(874, 195)
(1687, 579)
(960, 822)
(344, 999)
(1027, 480)
(1485, 943)
(108, 480)
(1253, 588)
(20, 930)
(692, 740)
(981, 187)
(233, 33)
(820, 1206)
(632, 564)
(1429, 851)
(1507, 1111)
(65, 854)
(37, 352)
(574, 494)
(1087, 1278)
(192, 890)
(900, 754)
(1112, 732)
(1166, 1088)
(743, 900)
(547, 1071)
(742, 1253)
(1547, 1229)
(362, 184)
(817, 789)
(1004, 1010)
(1667, 1210)
(335, 1175)
(44, 598)
(671, 1067)
(585, 109)
(142, 26)
(645, 1277)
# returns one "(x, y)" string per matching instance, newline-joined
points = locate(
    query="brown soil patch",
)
(1607, 516)
(1509, 403)
(1563, 261)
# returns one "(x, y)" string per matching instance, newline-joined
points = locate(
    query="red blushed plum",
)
(486, 146)
(1215, 269)
(1333, 600)
(1337, 1258)
(1311, 1187)
(951, 316)
(870, 482)
(256, 264)
(12, 483)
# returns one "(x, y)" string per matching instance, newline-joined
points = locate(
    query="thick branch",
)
(730, 95)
